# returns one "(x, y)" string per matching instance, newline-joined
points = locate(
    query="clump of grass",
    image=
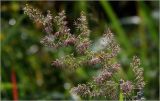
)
(103, 84)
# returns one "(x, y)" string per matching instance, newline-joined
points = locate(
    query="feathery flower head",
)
(94, 61)
(57, 63)
(48, 20)
(104, 76)
(116, 67)
(108, 36)
(48, 41)
(61, 22)
(138, 72)
(82, 90)
(82, 25)
(103, 85)
(126, 87)
(33, 13)
(70, 41)
(83, 46)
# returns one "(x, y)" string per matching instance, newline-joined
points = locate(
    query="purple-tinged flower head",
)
(138, 72)
(48, 23)
(136, 61)
(116, 67)
(96, 93)
(70, 41)
(83, 41)
(102, 85)
(115, 49)
(61, 22)
(82, 25)
(70, 62)
(63, 32)
(34, 14)
(108, 36)
(104, 76)
(57, 63)
(83, 46)
(48, 41)
(94, 61)
(56, 34)
(111, 44)
(126, 87)
(82, 90)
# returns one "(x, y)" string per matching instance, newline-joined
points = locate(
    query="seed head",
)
(82, 90)
(57, 63)
(126, 87)
(82, 25)
(94, 61)
(138, 72)
(70, 41)
(115, 67)
(82, 47)
(33, 13)
(105, 75)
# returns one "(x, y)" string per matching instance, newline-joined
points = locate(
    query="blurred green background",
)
(25, 63)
